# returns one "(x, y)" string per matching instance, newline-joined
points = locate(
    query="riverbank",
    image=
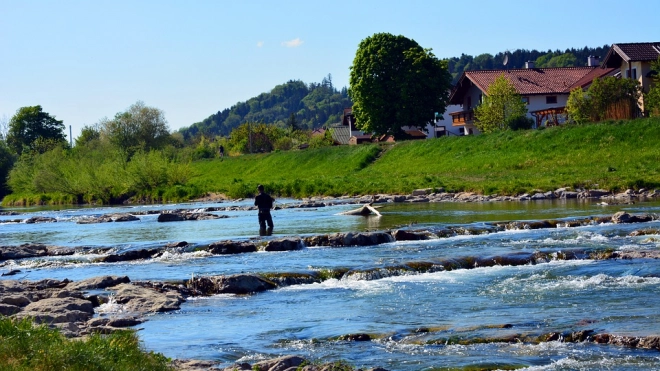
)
(612, 156)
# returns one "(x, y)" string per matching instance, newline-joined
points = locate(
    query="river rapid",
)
(422, 321)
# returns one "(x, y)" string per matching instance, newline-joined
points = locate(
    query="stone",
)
(128, 256)
(621, 217)
(8, 309)
(98, 282)
(40, 219)
(406, 235)
(231, 247)
(279, 364)
(145, 300)
(58, 310)
(284, 244)
(242, 284)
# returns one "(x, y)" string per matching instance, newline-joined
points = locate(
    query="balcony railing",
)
(462, 117)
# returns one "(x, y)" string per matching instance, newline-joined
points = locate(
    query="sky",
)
(83, 61)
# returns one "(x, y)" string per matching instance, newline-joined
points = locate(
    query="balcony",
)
(461, 118)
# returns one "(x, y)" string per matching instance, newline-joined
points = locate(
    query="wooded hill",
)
(321, 104)
(314, 105)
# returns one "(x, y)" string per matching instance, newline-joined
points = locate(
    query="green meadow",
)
(609, 155)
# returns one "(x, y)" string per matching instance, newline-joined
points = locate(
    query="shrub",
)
(520, 123)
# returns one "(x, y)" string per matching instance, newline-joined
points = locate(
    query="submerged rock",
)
(284, 244)
(230, 247)
(178, 216)
(128, 256)
(40, 219)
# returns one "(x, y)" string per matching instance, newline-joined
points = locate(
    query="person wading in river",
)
(264, 202)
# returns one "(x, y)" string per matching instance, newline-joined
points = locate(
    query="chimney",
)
(529, 64)
(593, 61)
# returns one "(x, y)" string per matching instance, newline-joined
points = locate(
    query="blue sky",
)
(86, 60)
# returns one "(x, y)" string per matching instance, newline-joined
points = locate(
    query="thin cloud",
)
(260, 44)
(293, 43)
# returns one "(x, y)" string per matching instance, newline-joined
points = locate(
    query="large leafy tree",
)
(31, 126)
(394, 82)
(501, 104)
(138, 128)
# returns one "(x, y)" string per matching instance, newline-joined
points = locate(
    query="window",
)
(525, 100)
(551, 99)
(632, 73)
(469, 102)
(481, 98)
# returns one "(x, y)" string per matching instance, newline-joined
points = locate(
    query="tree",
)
(501, 104)
(609, 98)
(30, 124)
(394, 82)
(291, 123)
(652, 98)
(138, 128)
(87, 135)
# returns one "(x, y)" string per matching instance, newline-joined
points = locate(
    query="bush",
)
(520, 123)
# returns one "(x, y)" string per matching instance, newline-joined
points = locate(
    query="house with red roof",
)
(633, 60)
(544, 90)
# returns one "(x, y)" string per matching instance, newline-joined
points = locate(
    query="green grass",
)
(610, 155)
(25, 346)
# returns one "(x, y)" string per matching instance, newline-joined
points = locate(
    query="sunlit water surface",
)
(612, 296)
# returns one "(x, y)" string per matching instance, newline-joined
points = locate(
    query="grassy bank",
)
(25, 346)
(610, 155)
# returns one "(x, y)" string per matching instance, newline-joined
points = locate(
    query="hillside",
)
(611, 155)
(313, 105)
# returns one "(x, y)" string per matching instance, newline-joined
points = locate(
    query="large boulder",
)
(58, 310)
(145, 300)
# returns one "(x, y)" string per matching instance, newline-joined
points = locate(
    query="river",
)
(427, 321)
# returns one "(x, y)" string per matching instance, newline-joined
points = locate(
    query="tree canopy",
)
(30, 124)
(138, 128)
(394, 82)
(501, 104)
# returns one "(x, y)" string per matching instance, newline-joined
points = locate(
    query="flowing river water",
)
(423, 321)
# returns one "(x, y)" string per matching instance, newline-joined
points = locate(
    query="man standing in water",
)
(264, 202)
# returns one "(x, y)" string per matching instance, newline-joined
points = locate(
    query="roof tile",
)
(539, 80)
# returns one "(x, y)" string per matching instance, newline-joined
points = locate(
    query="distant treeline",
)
(516, 59)
(321, 104)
